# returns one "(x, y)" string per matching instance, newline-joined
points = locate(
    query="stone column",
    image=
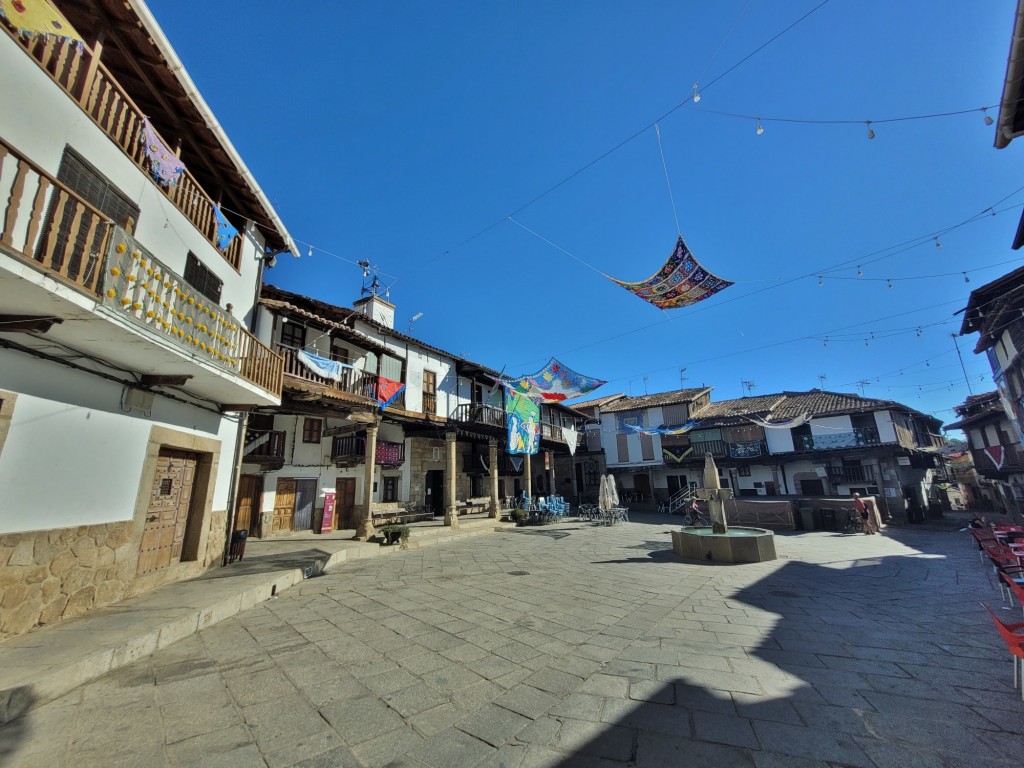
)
(528, 475)
(715, 495)
(365, 528)
(451, 511)
(492, 453)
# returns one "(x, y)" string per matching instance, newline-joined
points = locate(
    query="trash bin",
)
(828, 519)
(807, 518)
(238, 545)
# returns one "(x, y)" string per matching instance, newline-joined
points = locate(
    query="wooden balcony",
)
(264, 448)
(852, 474)
(1012, 461)
(78, 71)
(352, 381)
(480, 415)
(348, 450)
(53, 230)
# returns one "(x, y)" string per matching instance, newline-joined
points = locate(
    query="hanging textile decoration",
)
(676, 453)
(995, 453)
(517, 463)
(797, 421)
(164, 165)
(388, 391)
(322, 366)
(571, 437)
(38, 17)
(552, 384)
(663, 430)
(389, 454)
(681, 282)
(523, 421)
(225, 232)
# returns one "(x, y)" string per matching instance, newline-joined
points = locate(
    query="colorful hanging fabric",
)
(676, 453)
(517, 463)
(996, 455)
(796, 421)
(553, 383)
(38, 17)
(682, 430)
(389, 454)
(523, 420)
(225, 232)
(682, 281)
(388, 391)
(571, 437)
(321, 366)
(164, 165)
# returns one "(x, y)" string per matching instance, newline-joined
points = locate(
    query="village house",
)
(377, 426)
(133, 240)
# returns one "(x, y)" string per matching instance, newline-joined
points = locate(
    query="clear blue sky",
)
(406, 133)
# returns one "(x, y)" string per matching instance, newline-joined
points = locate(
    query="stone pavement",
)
(575, 645)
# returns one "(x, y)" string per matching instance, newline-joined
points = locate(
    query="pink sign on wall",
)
(328, 522)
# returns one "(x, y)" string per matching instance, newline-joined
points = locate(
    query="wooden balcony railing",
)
(353, 381)
(70, 244)
(987, 462)
(477, 413)
(852, 474)
(348, 447)
(430, 403)
(264, 446)
(78, 71)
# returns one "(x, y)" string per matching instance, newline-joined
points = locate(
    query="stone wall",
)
(47, 576)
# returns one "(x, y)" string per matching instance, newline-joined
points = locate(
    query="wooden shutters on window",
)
(622, 448)
(202, 278)
(646, 447)
(429, 392)
(311, 430)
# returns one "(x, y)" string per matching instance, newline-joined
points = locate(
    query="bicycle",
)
(854, 523)
(697, 519)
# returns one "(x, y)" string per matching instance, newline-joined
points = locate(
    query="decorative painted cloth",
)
(389, 453)
(682, 430)
(745, 450)
(321, 366)
(164, 165)
(995, 454)
(517, 465)
(796, 421)
(552, 384)
(388, 391)
(682, 281)
(571, 437)
(523, 419)
(676, 453)
(225, 232)
(38, 17)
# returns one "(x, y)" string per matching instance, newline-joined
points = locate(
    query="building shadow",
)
(15, 729)
(847, 661)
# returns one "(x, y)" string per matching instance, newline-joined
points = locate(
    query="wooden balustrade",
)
(352, 380)
(260, 364)
(80, 73)
(48, 225)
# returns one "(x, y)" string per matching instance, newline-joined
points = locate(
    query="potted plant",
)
(394, 533)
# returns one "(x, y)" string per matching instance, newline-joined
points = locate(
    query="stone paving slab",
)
(574, 645)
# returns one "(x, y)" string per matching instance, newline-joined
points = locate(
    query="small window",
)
(745, 472)
(311, 430)
(340, 352)
(390, 492)
(202, 278)
(293, 335)
(165, 486)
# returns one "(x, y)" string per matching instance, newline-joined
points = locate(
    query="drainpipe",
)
(233, 487)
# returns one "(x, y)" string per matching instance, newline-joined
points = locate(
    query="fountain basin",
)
(737, 545)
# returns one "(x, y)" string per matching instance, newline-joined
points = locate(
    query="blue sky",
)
(407, 133)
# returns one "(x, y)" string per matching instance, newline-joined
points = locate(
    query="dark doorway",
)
(434, 491)
(812, 487)
(345, 501)
(642, 484)
(579, 482)
(305, 493)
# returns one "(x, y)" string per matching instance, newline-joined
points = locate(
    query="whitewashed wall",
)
(72, 457)
(831, 425)
(46, 120)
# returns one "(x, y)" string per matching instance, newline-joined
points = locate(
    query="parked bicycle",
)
(696, 518)
(853, 523)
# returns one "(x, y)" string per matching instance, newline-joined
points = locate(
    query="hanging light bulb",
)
(871, 133)
(937, 243)
(310, 251)
(820, 281)
(825, 342)
(760, 128)
(859, 273)
(865, 342)
(890, 281)
(988, 117)
(919, 331)
(966, 278)
(696, 94)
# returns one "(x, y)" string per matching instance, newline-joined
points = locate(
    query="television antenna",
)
(682, 377)
(821, 380)
(748, 385)
(863, 383)
(413, 319)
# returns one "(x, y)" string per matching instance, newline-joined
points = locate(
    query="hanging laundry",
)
(571, 437)
(682, 281)
(523, 420)
(225, 232)
(322, 366)
(164, 165)
(552, 384)
(796, 421)
(682, 430)
(388, 391)
(38, 18)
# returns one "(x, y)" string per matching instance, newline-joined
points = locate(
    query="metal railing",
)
(78, 71)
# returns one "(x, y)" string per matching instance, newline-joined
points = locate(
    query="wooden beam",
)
(28, 323)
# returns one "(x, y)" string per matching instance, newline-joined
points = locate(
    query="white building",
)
(124, 354)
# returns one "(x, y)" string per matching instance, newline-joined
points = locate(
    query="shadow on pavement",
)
(14, 729)
(304, 558)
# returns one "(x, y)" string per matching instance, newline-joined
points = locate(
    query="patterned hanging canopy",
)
(681, 282)
(552, 384)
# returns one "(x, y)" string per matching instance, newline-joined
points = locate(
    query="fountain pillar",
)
(715, 495)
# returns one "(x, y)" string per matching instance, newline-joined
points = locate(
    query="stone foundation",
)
(47, 576)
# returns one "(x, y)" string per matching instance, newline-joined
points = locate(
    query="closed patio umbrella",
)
(607, 496)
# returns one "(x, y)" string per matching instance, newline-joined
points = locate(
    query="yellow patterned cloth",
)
(37, 17)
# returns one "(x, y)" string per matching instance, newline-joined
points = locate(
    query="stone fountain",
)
(720, 543)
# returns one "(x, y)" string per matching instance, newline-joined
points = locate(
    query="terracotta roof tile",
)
(674, 397)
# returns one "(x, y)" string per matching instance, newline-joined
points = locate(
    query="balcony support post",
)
(552, 491)
(451, 511)
(365, 528)
(492, 455)
(528, 475)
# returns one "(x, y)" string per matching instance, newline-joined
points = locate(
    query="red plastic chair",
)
(1014, 643)
(1014, 588)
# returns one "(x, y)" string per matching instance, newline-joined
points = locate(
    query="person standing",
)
(862, 509)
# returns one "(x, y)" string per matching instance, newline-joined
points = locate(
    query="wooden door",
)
(305, 495)
(284, 504)
(345, 503)
(247, 511)
(169, 504)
